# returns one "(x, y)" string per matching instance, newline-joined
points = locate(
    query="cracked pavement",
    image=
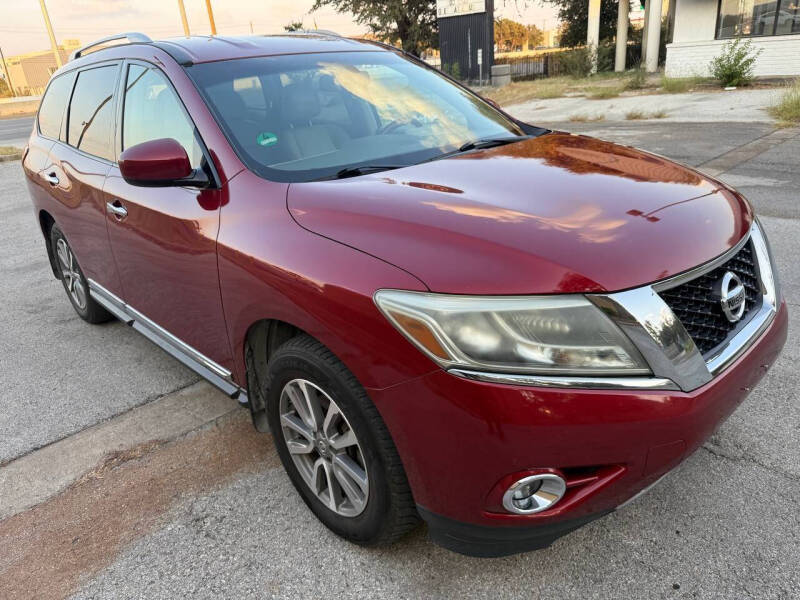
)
(211, 514)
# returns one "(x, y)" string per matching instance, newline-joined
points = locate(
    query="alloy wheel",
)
(71, 274)
(324, 447)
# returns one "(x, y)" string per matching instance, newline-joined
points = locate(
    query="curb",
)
(33, 478)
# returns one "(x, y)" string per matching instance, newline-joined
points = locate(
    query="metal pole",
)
(53, 44)
(183, 18)
(8, 75)
(211, 17)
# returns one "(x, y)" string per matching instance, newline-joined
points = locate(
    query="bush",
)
(453, 70)
(638, 79)
(605, 57)
(734, 66)
(576, 63)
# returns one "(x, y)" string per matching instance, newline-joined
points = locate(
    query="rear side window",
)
(152, 111)
(53, 104)
(91, 115)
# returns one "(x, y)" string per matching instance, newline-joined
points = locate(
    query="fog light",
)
(534, 494)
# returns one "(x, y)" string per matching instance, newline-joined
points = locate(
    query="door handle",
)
(116, 209)
(51, 178)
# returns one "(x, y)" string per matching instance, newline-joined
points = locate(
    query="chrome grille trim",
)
(592, 383)
(680, 278)
(739, 343)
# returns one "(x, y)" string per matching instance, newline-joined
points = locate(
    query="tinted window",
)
(91, 114)
(311, 115)
(53, 104)
(153, 111)
(748, 18)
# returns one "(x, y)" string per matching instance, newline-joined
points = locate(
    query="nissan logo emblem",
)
(730, 291)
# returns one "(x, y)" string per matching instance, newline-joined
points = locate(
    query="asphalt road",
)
(724, 525)
(15, 132)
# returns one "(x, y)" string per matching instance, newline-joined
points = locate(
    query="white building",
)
(703, 26)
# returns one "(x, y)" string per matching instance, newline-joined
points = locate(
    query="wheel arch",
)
(46, 222)
(262, 339)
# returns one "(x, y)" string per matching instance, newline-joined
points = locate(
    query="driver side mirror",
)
(493, 103)
(159, 163)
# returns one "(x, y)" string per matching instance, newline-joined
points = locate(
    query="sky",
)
(22, 27)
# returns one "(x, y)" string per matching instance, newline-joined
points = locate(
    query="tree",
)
(4, 89)
(411, 22)
(535, 36)
(574, 14)
(293, 26)
(509, 35)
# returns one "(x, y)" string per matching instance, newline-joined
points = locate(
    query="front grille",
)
(696, 307)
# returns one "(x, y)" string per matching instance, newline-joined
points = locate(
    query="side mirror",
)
(159, 163)
(493, 103)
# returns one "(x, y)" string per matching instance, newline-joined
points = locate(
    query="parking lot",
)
(210, 513)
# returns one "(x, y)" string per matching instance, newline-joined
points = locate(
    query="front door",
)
(164, 239)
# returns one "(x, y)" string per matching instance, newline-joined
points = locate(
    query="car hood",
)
(557, 213)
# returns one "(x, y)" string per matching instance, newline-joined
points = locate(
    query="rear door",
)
(77, 166)
(165, 239)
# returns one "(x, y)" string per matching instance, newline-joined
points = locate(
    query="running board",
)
(215, 374)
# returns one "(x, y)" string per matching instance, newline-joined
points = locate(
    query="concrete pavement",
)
(211, 514)
(737, 106)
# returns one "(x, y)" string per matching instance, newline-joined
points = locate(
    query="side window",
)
(153, 111)
(53, 104)
(91, 114)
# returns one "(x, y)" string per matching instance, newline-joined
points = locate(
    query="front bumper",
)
(462, 441)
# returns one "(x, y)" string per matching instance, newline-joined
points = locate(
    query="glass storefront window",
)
(751, 18)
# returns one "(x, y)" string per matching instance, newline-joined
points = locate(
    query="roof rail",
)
(132, 37)
(316, 32)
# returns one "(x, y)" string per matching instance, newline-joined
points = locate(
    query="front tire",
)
(335, 447)
(74, 282)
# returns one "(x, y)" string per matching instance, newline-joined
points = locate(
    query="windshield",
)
(309, 116)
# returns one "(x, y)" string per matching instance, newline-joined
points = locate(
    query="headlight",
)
(563, 334)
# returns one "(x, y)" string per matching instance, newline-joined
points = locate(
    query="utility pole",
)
(8, 75)
(53, 44)
(183, 18)
(211, 18)
(251, 28)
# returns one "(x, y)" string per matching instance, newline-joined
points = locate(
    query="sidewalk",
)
(737, 106)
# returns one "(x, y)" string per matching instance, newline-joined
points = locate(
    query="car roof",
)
(202, 48)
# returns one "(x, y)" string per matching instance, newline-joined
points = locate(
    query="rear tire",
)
(74, 282)
(386, 510)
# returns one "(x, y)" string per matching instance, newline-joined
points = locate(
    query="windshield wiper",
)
(483, 143)
(364, 169)
(490, 142)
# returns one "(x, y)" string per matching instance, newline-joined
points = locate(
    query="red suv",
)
(437, 310)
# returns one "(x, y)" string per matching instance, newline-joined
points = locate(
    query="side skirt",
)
(214, 373)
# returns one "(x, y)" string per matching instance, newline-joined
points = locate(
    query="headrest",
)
(299, 104)
(231, 103)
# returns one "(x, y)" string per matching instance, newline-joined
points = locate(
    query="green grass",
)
(679, 85)
(604, 92)
(8, 150)
(586, 118)
(521, 91)
(787, 109)
(637, 115)
(601, 85)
